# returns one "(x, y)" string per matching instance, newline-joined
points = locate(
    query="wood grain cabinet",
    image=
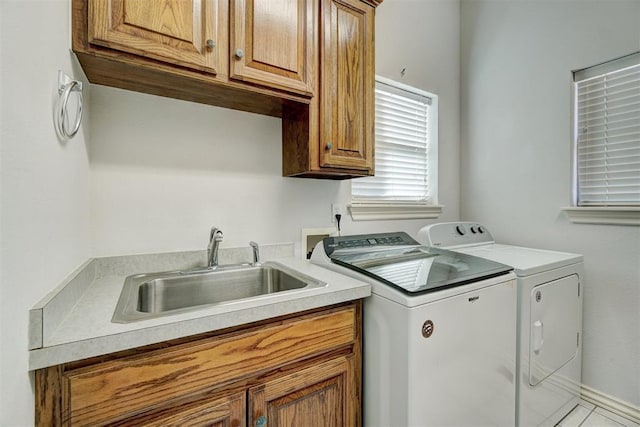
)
(273, 43)
(333, 137)
(175, 31)
(315, 396)
(347, 81)
(249, 55)
(291, 371)
(310, 62)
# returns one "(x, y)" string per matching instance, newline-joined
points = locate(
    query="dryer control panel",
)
(452, 234)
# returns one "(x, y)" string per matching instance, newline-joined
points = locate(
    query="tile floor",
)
(588, 415)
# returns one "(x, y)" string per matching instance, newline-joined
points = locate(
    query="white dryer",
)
(549, 320)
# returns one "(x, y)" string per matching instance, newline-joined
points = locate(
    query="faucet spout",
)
(212, 250)
(256, 253)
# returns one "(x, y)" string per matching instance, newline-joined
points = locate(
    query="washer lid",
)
(398, 261)
(525, 261)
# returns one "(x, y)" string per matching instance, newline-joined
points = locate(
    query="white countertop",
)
(74, 321)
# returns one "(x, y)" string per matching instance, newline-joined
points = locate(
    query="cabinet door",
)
(182, 32)
(227, 411)
(320, 396)
(347, 84)
(273, 43)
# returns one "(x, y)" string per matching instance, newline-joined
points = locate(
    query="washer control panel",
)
(451, 234)
(367, 241)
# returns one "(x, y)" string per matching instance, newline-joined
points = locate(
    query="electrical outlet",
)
(336, 209)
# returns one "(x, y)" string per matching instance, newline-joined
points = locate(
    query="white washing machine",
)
(549, 310)
(439, 332)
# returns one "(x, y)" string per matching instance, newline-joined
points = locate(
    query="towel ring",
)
(65, 87)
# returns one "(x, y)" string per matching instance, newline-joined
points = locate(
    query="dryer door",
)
(553, 339)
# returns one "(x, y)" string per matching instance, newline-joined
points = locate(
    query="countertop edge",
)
(56, 302)
(63, 330)
(78, 350)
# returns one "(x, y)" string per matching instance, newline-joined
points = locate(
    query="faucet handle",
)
(256, 252)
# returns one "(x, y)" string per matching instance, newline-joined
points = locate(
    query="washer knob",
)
(460, 230)
(473, 229)
(480, 229)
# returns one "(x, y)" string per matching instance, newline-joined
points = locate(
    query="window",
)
(607, 137)
(406, 134)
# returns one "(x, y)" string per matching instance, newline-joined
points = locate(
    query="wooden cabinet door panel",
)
(347, 84)
(175, 31)
(273, 43)
(319, 396)
(227, 411)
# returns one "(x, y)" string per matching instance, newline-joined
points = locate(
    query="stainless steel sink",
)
(146, 296)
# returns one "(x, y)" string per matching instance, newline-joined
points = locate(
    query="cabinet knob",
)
(261, 421)
(239, 53)
(329, 146)
(211, 44)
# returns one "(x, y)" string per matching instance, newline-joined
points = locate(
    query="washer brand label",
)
(427, 329)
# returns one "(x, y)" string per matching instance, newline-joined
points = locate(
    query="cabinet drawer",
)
(125, 387)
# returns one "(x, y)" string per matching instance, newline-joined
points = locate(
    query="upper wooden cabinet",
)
(347, 82)
(273, 43)
(270, 43)
(310, 62)
(182, 32)
(333, 136)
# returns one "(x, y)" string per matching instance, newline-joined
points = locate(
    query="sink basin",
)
(146, 296)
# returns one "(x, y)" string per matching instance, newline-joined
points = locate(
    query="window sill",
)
(604, 215)
(371, 211)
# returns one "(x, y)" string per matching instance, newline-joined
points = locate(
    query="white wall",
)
(423, 37)
(516, 62)
(164, 171)
(44, 185)
(159, 172)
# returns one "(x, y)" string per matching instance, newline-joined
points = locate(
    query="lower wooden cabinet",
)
(315, 396)
(292, 371)
(225, 411)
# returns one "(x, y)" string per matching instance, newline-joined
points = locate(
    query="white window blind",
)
(607, 129)
(403, 134)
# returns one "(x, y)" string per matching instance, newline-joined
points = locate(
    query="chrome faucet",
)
(212, 250)
(256, 253)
